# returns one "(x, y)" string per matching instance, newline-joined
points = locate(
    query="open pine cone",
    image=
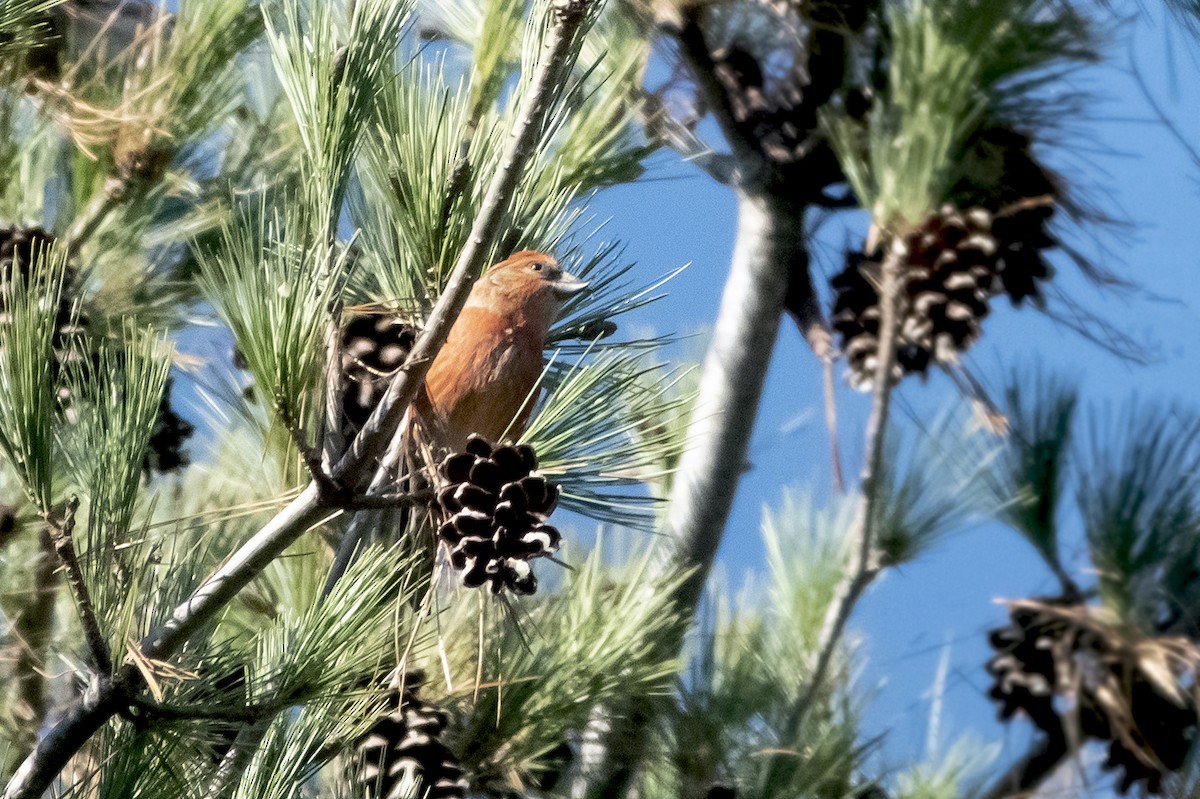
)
(373, 347)
(406, 744)
(496, 506)
(945, 283)
(1068, 667)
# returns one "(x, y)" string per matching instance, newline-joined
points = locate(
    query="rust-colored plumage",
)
(483, 378)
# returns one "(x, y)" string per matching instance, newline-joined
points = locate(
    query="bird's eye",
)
(537, 267)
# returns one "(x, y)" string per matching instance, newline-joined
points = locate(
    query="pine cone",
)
(1021, 236)
(165, 450)
(496, 506)
(373, 347)
(8, 523)
(17, 249)
(945, 283)
(17, 246)
(1023, 667)
(1059, 648)
(406, 742)
(957, 260)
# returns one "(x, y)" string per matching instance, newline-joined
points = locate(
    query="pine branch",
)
(54, 751)
(62, 531)
(865, 566)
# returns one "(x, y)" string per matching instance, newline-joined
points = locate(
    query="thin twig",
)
(61, 532)
(864, 566)
(835, 453)
(660, 125)
(157, 711)
(331, 491)
(385, 501)
(1025, 776)
(55, 749)
(330, 438)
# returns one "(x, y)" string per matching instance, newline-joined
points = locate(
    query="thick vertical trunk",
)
(768, 248)
(769, 244)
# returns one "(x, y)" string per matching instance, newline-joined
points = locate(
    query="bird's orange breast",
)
(482, 378)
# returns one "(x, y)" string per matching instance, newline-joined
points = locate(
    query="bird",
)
(482, 381)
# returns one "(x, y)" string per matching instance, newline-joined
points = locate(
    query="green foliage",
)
(273, 285)
(954, 777)
(27, 371)
(600, 450)
(332, 88)
(735, 723)
(951, 64)
(27, 153)
(439, 139)
(290, 754)
(21, 25)
(1030, 475)
(330, 645)
(521, 685)
(929, 487)
(116, 400)
(1138, 498)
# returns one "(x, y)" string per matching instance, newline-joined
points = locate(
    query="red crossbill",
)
(482, 380)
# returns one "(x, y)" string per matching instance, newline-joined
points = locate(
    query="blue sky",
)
(1139, 174)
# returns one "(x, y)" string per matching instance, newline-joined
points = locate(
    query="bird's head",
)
(526, 280)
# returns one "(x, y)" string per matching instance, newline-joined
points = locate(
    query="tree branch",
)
(61, 532)
(82, 721)
(235, 762)
(864, 566)
(660, 125)
(694, 49)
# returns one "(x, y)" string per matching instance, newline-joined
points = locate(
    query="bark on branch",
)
(62, 531)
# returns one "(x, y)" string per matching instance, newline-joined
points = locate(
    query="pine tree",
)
(279, 595)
